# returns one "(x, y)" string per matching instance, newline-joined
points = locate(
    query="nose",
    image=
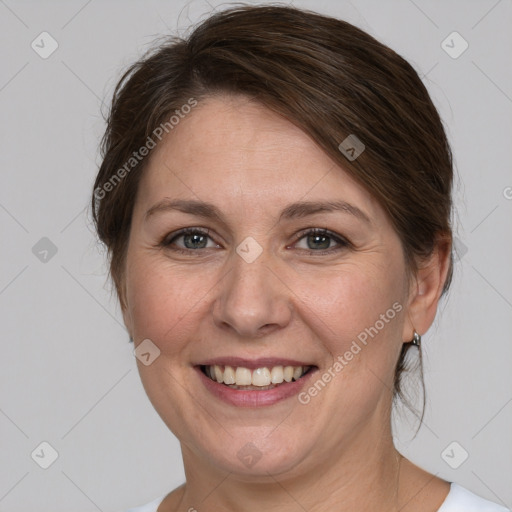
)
(252, 300)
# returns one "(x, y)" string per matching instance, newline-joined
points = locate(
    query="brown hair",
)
(326, 76)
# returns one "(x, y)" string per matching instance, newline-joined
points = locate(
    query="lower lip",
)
(254, 398)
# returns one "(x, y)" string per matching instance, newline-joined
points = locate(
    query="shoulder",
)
(148, 507)
(460, 499)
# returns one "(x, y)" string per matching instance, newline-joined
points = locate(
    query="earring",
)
(416, 339)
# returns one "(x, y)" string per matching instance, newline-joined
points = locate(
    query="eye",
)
(319, 240)
(193, 239)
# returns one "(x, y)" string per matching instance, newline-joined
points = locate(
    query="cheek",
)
(164, 300)
(151, 306)
(350, 300)
(357, 315)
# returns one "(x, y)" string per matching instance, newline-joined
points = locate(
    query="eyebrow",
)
(292, 211)
(302, 209)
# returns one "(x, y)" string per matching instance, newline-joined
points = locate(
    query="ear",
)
(426, 289)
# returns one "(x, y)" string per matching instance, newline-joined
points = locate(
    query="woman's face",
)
(258, 287)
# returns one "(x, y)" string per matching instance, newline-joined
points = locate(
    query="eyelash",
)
(342, 243)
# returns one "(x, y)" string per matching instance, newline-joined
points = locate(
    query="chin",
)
(255, 460)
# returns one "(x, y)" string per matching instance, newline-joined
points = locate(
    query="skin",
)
(336, 452)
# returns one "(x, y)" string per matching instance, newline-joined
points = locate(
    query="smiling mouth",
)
(239, 377)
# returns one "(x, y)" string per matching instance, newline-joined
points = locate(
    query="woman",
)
(275, 196)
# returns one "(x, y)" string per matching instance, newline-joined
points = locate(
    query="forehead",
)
(231, 149)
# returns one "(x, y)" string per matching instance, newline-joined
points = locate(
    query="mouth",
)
(254, 383)
(261, 378)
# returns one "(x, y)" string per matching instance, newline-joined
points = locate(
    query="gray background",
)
(68, 376)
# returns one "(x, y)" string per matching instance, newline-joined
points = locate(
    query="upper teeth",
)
(259, 377)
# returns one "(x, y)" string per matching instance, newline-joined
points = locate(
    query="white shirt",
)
(459, 499)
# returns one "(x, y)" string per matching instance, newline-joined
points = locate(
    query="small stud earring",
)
(416, 339)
